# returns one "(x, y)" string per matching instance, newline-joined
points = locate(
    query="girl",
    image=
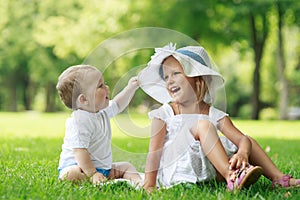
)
(184, 144)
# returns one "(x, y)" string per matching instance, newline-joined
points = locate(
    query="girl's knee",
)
(253, 141)
(202, 127)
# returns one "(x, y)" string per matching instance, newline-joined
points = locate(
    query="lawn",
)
(30, 144)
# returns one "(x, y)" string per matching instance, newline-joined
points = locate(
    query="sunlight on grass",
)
(270, 129)
(32, 124)
(135, 126)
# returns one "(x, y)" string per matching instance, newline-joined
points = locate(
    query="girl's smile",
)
(180, 87)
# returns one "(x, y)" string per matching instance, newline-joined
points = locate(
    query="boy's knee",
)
(66, 176)
(71, 174)
(127, 165)
(122, 166)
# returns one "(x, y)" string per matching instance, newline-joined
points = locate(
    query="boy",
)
(86, 152)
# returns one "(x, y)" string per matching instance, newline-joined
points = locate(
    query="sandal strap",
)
(231, 183)
(237, 176)
(283, 182)
(237, 173)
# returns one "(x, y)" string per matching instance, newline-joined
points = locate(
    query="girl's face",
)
(97, 92)
(180, 87)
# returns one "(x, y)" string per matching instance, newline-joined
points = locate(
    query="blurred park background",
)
(255, 43)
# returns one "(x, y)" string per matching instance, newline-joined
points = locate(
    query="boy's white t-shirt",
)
(91, 131)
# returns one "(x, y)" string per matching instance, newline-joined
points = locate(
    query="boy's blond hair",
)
(69, 84)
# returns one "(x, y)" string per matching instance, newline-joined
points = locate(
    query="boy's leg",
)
(72, 173)
(125, 170)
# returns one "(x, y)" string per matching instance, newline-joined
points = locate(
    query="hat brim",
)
(152, 83)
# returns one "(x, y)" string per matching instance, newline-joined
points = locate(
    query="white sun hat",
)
(195, 62)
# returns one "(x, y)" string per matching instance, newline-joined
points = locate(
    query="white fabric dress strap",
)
(216, 115)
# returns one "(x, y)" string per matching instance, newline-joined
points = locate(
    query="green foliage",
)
(268, 114)
(39, 39)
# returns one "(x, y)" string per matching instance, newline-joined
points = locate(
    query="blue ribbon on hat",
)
(192, 55)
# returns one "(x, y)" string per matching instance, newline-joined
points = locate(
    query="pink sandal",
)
(284, 182)
(244, 178)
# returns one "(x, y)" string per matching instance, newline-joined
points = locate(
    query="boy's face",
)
(95, 91)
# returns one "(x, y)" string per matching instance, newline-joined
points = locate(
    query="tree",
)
(40, 40)
(16, 45)
(218, 22)
(281, 65)
(259, 36)
(284, 12)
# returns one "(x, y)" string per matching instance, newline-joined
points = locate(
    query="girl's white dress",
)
(183, 159)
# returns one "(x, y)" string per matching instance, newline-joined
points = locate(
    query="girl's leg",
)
(211, 144)
(125, 170)
(259, 157)
(206, 133)
(72, 173)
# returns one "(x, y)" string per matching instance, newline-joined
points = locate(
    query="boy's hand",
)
(134, 83)
(124, 97)
(98, 178)
(148, 189)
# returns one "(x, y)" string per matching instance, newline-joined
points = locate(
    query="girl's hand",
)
(98, 178)
(238, 161)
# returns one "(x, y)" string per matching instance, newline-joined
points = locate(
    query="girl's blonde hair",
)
(69, 84)
(201, 88)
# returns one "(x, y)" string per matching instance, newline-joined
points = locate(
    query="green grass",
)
(30, 144)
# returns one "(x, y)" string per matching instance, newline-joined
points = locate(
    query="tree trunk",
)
(12, 105)
(283, 91)
(258, 41)
(50, 97)
(26, 92)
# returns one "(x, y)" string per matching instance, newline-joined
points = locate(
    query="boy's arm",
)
(124, 97)
(83, 159)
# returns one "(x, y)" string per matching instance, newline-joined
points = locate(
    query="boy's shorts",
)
(105, 172)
